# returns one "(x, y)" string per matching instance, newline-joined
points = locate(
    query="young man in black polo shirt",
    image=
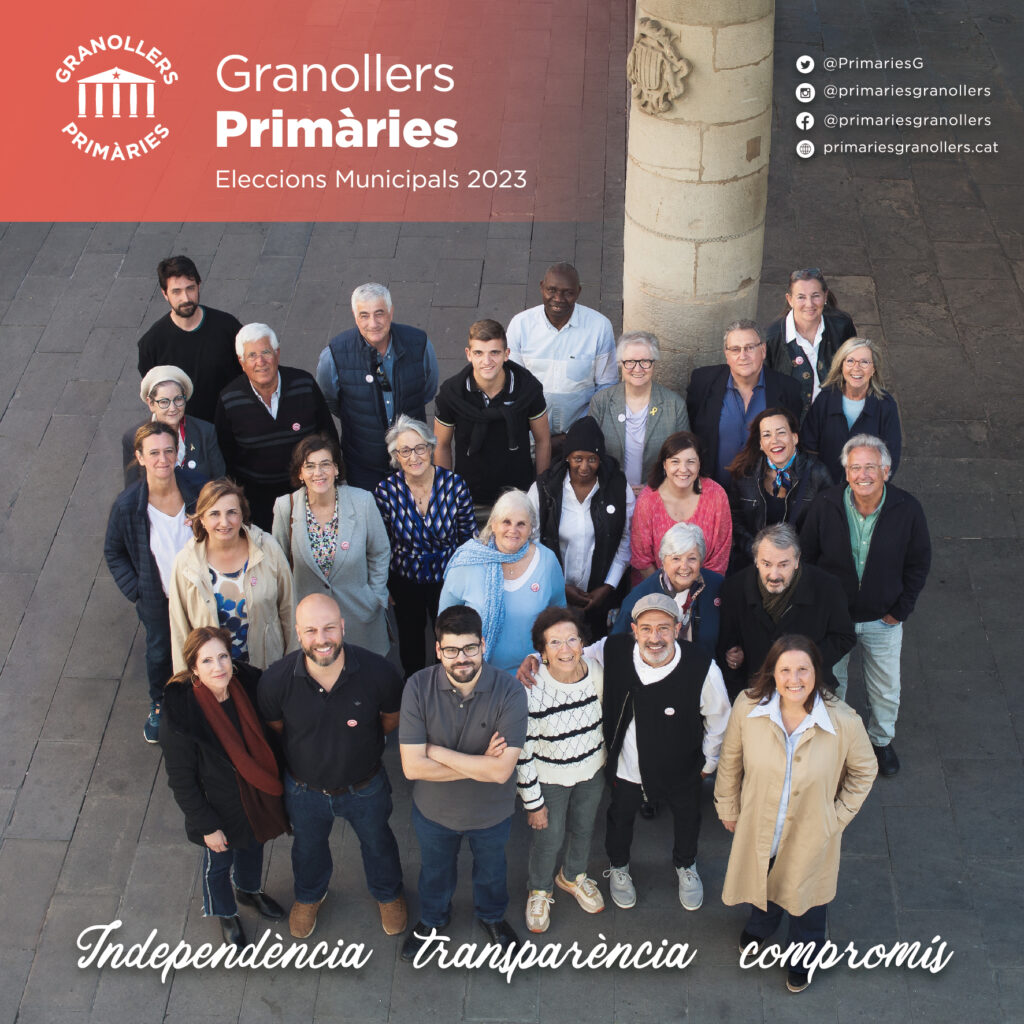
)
(333, 703)
(463, 726)
(490, 409)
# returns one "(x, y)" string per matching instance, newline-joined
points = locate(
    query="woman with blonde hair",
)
(232, 574)
(853, 401)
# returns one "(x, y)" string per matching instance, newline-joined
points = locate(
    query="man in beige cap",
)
(665, 711)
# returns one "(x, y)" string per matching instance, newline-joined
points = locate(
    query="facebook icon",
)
(804, 120)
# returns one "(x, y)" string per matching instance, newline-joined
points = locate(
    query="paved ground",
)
(927, 253)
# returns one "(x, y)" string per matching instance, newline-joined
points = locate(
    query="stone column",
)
(696, 173)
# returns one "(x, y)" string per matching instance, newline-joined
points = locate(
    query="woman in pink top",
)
(677, 493)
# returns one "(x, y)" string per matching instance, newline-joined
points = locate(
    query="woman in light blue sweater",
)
(507, 578)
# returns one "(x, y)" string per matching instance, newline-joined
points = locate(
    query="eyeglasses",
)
(251, 357)
(178, 401)
(569, 641)
(806, 274)
(318, 467)
(864, 363)
(418, 449)
(470, 651)
(742, 350)
(632, 364)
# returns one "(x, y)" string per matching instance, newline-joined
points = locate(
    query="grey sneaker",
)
(691, 889)
(622, 889)
(151, 730)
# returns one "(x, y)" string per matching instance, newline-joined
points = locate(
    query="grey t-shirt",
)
(433, 711)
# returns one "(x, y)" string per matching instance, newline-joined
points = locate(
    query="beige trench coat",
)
(268, 599)
(832, 776)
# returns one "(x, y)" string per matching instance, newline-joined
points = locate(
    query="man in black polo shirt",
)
(463, 725)
(490, 409)
(333, 703)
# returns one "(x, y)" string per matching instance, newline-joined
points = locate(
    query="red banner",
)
(364, 110)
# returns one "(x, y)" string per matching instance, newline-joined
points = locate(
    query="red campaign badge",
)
(252, 581)
(352, 722)
(798, 361)
(535, 587)
(296, 426)
(718, 601)
(344, 545)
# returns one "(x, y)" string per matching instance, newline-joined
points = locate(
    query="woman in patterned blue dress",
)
(428, 513)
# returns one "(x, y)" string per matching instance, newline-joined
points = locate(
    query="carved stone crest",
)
(655, 68)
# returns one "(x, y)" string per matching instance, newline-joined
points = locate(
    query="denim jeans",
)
(807, 927)
(572, 810)
(157, 623)
(439, 857)
(312, 815)
(218, 895)
(880, 646)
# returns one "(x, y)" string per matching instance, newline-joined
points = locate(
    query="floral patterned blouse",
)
(323, 540)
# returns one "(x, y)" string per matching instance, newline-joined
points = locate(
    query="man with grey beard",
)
(665, 712)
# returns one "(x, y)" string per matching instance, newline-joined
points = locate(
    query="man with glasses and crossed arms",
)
(462, 726)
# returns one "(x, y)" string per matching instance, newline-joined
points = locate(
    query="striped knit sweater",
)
(564, 742)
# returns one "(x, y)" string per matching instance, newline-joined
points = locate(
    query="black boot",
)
(231, 929)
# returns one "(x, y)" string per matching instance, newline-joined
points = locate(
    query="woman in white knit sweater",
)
(559, 772)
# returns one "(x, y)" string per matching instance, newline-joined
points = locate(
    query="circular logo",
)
(805, 92)
(798, 361)
(369, 378)
(352, 723)
(296, 426)
(535, 587)
(805, 149)
(116, 84)
(191, 463)
(670, 711)
(344, 545)
(622, 417)
(610, 509)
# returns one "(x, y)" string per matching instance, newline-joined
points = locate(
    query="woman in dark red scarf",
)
(224, 775)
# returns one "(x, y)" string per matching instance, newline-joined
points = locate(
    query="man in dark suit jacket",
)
(723, 400)
(776, 596)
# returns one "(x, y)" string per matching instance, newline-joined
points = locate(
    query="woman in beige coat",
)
(233, 575)
(795, 767)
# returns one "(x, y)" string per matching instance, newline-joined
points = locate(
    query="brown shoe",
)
(302, 919)
(394, 916)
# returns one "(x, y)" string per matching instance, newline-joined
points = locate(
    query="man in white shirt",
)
(568, 347)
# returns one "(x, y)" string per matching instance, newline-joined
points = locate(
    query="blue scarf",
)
(473, 553)
(783, 476)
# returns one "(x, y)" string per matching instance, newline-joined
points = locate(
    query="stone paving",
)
(927, 253)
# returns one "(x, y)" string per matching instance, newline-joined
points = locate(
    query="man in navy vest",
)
(370, 375)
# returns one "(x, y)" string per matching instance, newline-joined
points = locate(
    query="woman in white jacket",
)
(233, 575)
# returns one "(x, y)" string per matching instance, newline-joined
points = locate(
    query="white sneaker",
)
(691, 889)
(587, 894)
(538, 913)
(622, 889)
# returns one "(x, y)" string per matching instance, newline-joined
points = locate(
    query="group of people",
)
(677, 583)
